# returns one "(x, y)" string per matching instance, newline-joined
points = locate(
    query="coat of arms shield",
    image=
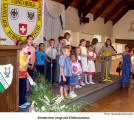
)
(6, 76)
(20, 18)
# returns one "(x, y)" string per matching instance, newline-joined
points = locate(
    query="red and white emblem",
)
(23, 29)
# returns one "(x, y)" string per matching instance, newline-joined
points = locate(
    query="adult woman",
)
(106, 48)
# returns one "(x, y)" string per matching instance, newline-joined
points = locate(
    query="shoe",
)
(72, 95)
(92, 82)
(87, 83)
(79, 86)
(76, 86)
(27, 103)
(82, 84)
(23, 106)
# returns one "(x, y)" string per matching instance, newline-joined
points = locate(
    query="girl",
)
(84, 59)
(76, 69)
(78, 54)
(125, 81)
(31, 50)
(23, 65)
(66, 38)
(41, 56)
(91, 64)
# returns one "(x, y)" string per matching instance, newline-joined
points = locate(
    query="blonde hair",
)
(65, 48)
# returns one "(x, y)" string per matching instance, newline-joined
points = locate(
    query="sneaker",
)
(79, 86)
(82, 84)
(22, 106)
(27, 103)
(92, 82)
(76, 86)
(72, 95)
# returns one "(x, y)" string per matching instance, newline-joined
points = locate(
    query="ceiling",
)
(108, 9)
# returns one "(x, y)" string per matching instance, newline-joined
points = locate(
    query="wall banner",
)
(20, 18)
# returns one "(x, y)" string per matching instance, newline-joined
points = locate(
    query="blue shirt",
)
(66, 63)
(40, 58)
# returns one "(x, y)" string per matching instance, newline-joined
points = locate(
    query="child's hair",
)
(87, 44)
(82, 40)
(51, 40)
(60, 38)
(41, 44)
(126, 46)
(19, 42)
(66, 34)
(90, 46)
(94, 41)
(74, 55)
(65, 48)
(29, 36)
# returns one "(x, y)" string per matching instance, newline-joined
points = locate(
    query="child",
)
(59, 52)
(91, 64)
(76, 70)
(84, 59)
(119, 68)
(23, 65)
(78, 54)
(41, 56)
(65, 71)
(31, 50)
(51, 66)
(66, 38)
(125, 81)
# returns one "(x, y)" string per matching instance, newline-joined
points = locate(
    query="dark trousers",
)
(30, 72)
(22, 91)
(40, 69)
(48, 71)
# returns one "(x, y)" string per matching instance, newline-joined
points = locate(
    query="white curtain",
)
(54, 21)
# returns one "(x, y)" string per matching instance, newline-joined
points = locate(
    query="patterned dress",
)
(126, 70)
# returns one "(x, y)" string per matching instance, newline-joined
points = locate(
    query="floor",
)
(121, 100)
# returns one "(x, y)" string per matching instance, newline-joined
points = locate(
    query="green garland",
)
(43, 100)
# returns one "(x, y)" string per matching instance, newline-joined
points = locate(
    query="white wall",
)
(93, 27)
(121, 28)
(86, 31)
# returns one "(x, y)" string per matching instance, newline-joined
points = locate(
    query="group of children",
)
(76, 68)
(73, 67)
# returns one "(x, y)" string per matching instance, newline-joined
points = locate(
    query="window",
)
(98, 37)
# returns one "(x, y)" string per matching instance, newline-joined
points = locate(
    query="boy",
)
(51, 52)
(65, 70)
(41, 56)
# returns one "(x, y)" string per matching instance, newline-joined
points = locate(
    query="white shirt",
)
(51, 52)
